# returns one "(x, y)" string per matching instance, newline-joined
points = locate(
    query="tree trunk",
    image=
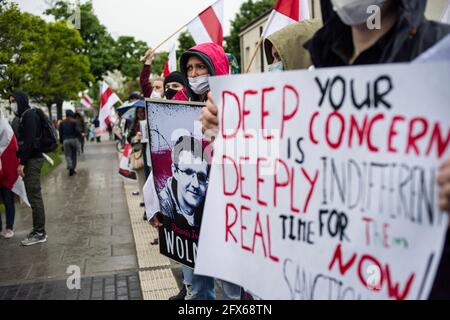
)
(49, 107)
(59, 110)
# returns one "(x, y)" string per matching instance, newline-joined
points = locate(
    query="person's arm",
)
(29, 123)
(443, 180)
(60, 134)
(146, 86)
(208, 118)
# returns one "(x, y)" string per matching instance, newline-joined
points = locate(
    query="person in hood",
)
(405, 33)
(201, 62)
(69, 133)
(31, 161)
(198, 64)
(175, 86)
(149, 90)
(284, 49)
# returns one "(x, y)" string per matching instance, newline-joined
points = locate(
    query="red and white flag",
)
(446, 15)
(124, 164)
(208, 25)
(285, 13)
(107, 100)
(87, 101)
(9, 177)
(171, 64)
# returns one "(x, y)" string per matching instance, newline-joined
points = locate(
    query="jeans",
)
(231, 291)
(32, 182)
(8, 200)
(202, 287)
(70, 152)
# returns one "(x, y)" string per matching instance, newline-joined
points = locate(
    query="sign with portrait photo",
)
(180, 170)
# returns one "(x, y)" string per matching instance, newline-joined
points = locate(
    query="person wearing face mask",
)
(149, 90)
(198, 64)
(175, 85)
(405, 33)
(284, 49)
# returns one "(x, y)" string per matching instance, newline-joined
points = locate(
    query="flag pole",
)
(261, 38)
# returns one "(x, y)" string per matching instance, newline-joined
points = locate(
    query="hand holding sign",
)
(209, 118)
(444, 184)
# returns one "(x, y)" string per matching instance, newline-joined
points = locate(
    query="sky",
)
(149, 20)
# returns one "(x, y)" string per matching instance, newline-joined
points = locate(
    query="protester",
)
(284, 49)
(69, 133)
(175, 85)
(134, 138)
(405, 33)
(96, 124)
(31, 162)
(155, 91)
(83, 129)
(8, 173)
(197, 64)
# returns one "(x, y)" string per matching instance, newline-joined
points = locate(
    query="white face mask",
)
(354, 12)
(275, 67)
(199, 84)
(14, 107)
(155, 95)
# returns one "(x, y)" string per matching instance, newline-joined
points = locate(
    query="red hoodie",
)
(212, 54)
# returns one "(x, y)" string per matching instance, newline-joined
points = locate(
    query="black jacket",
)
(29, 130)
(69, 129)
(412, 35)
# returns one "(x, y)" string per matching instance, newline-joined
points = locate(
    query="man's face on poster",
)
(191, 174)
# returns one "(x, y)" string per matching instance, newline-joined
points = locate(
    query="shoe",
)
(181, 295)
(142, 204)
(71, 172)
(33, 238)
(135, 193)
(145, 216)
(8, 234)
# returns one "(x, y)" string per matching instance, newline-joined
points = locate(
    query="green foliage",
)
(56, 157)
(249, 11)
(128, 52)
(99, 46)
(159, 62)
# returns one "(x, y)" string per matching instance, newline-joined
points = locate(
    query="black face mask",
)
(170, 93)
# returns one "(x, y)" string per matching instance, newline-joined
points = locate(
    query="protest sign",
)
(180, 174)
(323, 183)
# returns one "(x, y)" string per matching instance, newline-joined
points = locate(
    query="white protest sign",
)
(323, 184)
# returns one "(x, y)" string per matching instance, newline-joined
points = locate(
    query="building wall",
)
(250, 36)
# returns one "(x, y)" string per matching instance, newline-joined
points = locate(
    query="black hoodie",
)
(29, 129)
(411, 35)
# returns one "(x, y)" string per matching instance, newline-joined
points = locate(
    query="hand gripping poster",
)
(325, 182)
(181, 164)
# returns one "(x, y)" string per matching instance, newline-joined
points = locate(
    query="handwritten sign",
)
(323, 184)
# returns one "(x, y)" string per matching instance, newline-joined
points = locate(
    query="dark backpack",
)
(48, 141)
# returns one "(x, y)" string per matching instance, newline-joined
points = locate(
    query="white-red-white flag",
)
(87, 101)
(9, 163)
(107, 100)
(124, 164)
(285, 13)
(208, 25)
(446, 15)
(171, 64)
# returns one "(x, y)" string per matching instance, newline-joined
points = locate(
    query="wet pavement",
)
(88, 226)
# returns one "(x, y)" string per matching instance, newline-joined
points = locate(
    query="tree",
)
(159, 62)
(59, 72)
(19, 36)
(127, 53)
(98, 45)
(249, 11)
